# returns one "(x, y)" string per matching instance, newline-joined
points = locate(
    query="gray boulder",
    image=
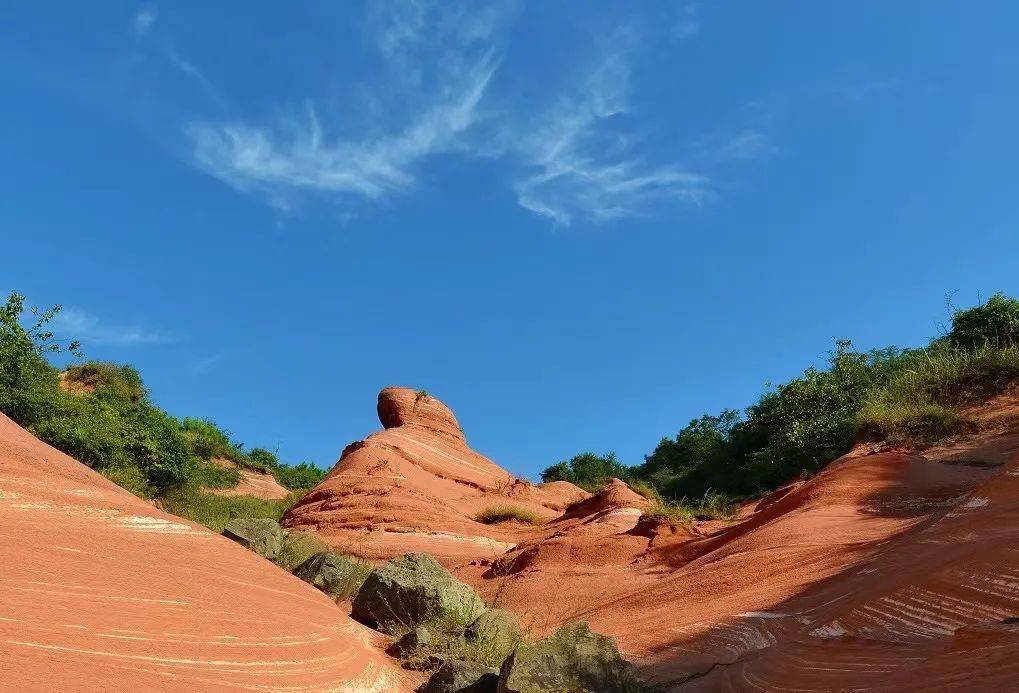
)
(410, 643)
(458, 676)
(414, 589)
(261, 535)
(572, 659)
(337, 575)
(496, 631)
(298, 546)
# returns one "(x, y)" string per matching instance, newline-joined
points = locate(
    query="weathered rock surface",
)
(457, 676)
(572, 659)
(417, 486)
(410, 643)
(498, 630)
(414, 589)
(102, 591)
(333, 573)
(261, 535)
(297, 547)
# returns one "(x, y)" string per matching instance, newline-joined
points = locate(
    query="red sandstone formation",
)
(886, 571)
(104, 592)
(417, 486)
(252, 483)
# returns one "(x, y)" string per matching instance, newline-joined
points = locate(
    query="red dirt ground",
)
(101, 591)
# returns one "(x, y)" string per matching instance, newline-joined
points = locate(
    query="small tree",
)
(27, 381)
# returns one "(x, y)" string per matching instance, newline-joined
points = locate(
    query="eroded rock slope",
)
(101, 591)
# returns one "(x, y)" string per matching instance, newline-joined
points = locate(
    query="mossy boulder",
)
(298, 546)
(573, 659)
(497, 631)
(337, 575)
(458, 676)
(261, 535)
(412, 590)
(410, 643)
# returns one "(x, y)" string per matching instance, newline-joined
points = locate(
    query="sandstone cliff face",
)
(417, 486)
(104, 592)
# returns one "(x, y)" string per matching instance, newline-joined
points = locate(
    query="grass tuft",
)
(507, 513)
(215, 511)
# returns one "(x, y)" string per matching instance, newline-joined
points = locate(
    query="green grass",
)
(920, 404)
(712, 506)
(215, 511)
(298, 547)
(506, 513)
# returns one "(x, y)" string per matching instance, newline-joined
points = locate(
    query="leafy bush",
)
(298, 477)
(264, 458)
(994, 323)
(208, 441)
(122, 382)
(504, 513)
(587, 470)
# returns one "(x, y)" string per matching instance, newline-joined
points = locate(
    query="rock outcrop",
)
(411, 590)
(417, 486)
(102, 591)
(572, 659)
(261, 535)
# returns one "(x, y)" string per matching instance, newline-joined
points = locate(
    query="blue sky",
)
(579, 225)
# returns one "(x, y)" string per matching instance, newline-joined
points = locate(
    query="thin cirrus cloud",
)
(581, 168)
(570, 163)
(75, 323)
(297, 154)
(144, 19)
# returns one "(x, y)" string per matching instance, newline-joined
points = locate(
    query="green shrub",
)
(587, 470)
(122, 382)
(505, 513)
(994, 323)
(211, 475)
(298, 477)
(263, 459)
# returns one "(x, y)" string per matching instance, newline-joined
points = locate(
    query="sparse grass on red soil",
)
(506, 513)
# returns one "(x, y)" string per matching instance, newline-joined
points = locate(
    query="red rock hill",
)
(101, 591)
(417, 486)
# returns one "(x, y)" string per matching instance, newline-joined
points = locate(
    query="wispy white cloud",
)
(190, 70)
(206, 364)
(581, 167)
(74, 323)
(144, 18)
(298, 153)
(574, 147)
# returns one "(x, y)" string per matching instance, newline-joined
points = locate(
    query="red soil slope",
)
(252, 483)
(101, 591)
(887, 571)
(417, 486)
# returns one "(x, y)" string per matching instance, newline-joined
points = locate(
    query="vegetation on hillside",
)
(102, 415)
(587, 470)
(914, 396)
